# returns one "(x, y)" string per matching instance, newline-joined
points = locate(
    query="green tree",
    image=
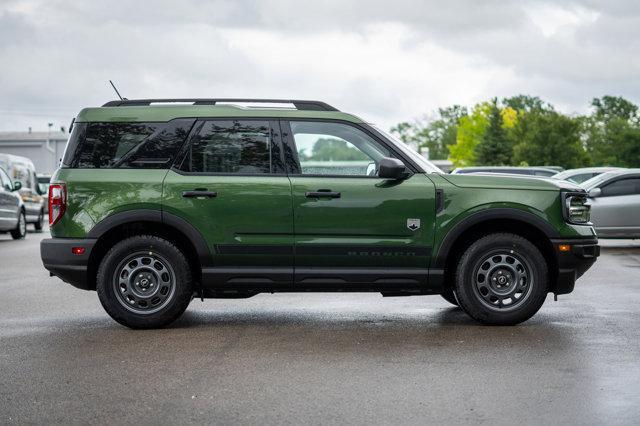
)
(435, 135)
(470, 132)
(439, 134)
(609, 133)
(405, 131)
(525, 104)
(329, 149)
(550, 139)
(615, 107)
(495, 148)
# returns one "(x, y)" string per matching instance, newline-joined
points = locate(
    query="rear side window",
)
(125, 145)
(231, 147)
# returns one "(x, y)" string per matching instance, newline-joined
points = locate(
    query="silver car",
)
(531, 171)
(583, 174)
(615, 203)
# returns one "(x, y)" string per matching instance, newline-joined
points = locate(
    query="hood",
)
(503, 181)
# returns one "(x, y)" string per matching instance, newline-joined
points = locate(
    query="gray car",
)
(12, 212)
(583, 174)
(530, 171)
(615, 203)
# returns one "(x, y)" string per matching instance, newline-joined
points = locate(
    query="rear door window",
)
(244, 147)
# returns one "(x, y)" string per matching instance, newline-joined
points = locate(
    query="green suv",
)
(158, 201)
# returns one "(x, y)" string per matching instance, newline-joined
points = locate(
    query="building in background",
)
(45, 149)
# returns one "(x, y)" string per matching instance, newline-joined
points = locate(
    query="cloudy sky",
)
(385, 60)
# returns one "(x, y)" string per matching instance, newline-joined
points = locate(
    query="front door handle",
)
(322, 193)
(197, 193)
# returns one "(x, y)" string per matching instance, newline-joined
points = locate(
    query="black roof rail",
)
(299, 104)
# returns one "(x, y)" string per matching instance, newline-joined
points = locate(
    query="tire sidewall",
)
(40, 223)
(174, 307)
(464, 283)
(18, 233)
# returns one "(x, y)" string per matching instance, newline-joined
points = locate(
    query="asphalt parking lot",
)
(319, 358)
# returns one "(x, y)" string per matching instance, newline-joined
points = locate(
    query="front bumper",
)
(61, 262)
(572, 264)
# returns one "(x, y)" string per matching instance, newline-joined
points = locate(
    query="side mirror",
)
(17, 185)
(41, 189)
(594, 192)
(391, 168)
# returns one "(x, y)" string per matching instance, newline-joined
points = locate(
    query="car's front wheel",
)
(144, 282)
(501, 279)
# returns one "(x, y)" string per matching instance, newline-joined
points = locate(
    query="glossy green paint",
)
(468, 195)
(249, 212)
(370, 217)
(162, 113)
(94, 194)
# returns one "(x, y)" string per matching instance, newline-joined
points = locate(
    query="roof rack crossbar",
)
(299, 104)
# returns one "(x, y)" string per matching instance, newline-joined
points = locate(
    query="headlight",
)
(575, 208)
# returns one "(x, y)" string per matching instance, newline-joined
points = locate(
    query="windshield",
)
(423, 163)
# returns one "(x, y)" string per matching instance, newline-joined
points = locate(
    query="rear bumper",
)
(60, 261)
(574, 263)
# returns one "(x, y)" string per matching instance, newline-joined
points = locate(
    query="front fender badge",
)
(413, 224)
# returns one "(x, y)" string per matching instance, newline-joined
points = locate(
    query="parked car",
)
(558, 169)
(12, 211)
(583, 174)
(154, 205)
(531, 171)
(22, 170)
(615, 203)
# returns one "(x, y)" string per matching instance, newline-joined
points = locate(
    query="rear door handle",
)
(322, 193)
(197, 193)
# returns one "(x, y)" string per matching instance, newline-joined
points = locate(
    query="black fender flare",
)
(486, 215)
(160, 217)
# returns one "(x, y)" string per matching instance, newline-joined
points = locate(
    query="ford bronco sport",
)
(160, 201)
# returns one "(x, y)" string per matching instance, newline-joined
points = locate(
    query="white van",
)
(22, 169)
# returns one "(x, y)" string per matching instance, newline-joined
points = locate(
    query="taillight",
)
(57, 202)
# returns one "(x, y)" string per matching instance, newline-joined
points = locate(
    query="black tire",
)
(491, 274)
(39, 224)
(155, 261)
(21, 228)
(449, 296)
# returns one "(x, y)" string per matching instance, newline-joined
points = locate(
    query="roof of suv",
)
(167, 109)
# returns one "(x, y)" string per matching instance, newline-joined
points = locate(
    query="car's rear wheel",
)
(144, 282)
(501, 279)
(21, 228)
(39, 224)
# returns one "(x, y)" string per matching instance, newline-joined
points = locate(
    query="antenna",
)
(117, 93)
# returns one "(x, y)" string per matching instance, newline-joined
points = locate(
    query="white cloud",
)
(383, 62)
(552, 18)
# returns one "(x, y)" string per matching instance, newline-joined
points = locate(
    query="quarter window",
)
(231, 146)
(105, 144)
(336, 149)
(126, 145)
